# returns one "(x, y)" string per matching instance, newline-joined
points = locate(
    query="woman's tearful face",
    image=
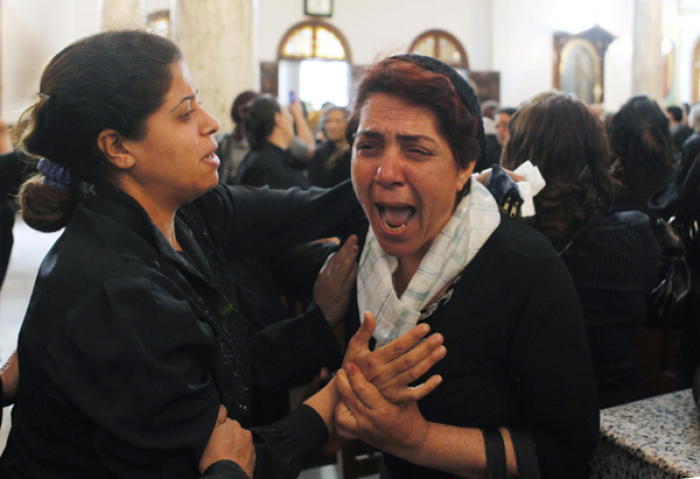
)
(404, 174)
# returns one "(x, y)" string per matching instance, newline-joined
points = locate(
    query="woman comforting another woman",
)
(133, 349)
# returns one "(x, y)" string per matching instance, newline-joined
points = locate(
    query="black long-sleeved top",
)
(272, 166)
(517, 354)
(328, 166)
(614, 281)
(128, 348)
(14, 168)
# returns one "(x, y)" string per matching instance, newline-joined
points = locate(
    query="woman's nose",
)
(390, 172)
(210, 124)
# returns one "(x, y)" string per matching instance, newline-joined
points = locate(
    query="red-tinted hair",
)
(424, 88)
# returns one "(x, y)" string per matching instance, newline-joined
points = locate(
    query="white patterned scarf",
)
(472, 223)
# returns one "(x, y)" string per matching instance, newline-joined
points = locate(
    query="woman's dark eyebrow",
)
(409, 138)
(370, 133)
(187, 98)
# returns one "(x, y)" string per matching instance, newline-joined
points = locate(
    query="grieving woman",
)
(518, 395)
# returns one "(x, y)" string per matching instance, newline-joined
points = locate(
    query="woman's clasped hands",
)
(377, 403)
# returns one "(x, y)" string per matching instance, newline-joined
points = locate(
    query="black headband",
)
(465, 92)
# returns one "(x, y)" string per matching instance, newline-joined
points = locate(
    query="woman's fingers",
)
(335, 281)
(345, 422)
(404, 343)
(393, 367)
(341, 265)
(400, 355)
(416, 393)
(229, 441)
(360, 341)
(411, 366)
(374, 419)
(366, 395)
(222, 415)
(345, 419)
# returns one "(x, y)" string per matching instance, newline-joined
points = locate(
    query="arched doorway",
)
(314, 62)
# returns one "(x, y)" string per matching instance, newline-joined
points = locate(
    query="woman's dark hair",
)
(567, 142)
(675, 112)
(112, 80)
(640, 141)
(237, 113)
(259, 119)
(426, 82)
(510, 111)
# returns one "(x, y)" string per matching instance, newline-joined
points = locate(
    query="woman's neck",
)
(161, 213)
(165, 222)
(279, 139)
(404, 273)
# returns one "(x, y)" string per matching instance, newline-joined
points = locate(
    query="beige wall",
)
(32, 32)
(223, 44)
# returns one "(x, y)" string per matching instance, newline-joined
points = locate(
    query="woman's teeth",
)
(396, 218)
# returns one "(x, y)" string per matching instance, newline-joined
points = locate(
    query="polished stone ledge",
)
(658, 437)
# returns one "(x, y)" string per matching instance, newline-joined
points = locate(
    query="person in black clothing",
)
(440, 252)
(14, 168)
(643, 159)
(133, 350)
(330, 164)
(679, 131)
(269, 128)
(233, 146)
(681, 199)
(612, 257)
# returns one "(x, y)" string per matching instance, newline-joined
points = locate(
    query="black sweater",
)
(517, 354)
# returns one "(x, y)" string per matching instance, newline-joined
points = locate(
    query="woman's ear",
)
(463, 175)
(113, 146)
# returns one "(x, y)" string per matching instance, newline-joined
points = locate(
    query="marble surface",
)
(655, 438)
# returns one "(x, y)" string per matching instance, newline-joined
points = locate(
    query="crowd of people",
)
(201, 275)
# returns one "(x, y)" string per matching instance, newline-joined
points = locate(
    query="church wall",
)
(377, 28)
(685, 32)
(32, 32)
(523, 44)
(509, 36)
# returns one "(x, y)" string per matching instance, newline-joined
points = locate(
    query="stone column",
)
(647, 63)
(121, 14)
(217, 38)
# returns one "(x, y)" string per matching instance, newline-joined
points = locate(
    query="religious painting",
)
(578, 71)
(669, 53)
(579, 63)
